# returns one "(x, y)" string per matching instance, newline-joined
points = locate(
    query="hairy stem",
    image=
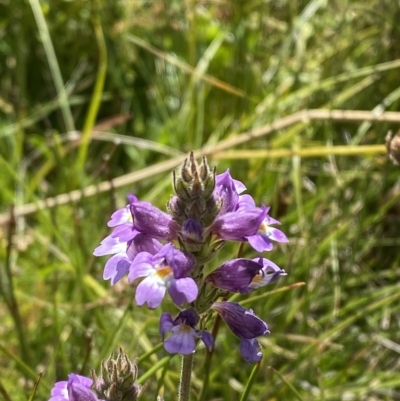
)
(186, 375)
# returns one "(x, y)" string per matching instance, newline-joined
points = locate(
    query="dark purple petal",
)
(166, 324)
(236, 226)
(78, 392)
(153, 222)
(208, 339)
(235, 275)
(116, 267)
(183, 290)
(192, 231)
(250, 350)
(241, 321)
(188, 316)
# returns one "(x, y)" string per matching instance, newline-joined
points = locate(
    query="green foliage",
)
(182, 76)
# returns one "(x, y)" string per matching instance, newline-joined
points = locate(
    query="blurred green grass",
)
(190, 75)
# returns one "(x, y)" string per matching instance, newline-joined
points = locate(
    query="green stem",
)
(186, 375)
(207, 363)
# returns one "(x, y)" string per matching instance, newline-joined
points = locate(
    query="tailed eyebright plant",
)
(168, 252)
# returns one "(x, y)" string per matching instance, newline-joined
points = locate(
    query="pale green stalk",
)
(186, 375)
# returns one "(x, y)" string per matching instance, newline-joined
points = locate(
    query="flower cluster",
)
(167, 252)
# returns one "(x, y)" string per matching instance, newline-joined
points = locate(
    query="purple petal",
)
(246, 202)
(192, 231)
(235, 275)
(181, 262)
(166, 324)
(153, 222)
(150, 291)
(241, 321)
(141, 267)
(181, 341)
(188, 316)
(121, 216)
(110, 245)
(260, 243)
(124, 233)
(236, 226)
(208, 339)
(183, 290)
(78, 392)
(116, 267)
(276, 235)
(250, 350)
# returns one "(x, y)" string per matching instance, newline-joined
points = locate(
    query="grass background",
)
(92, 91)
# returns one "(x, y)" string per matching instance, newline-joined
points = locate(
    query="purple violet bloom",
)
(235, 275)
(165, 270)
(184, 335)
(261, 239)
(118, 265)
(77, 388)
(245, 325)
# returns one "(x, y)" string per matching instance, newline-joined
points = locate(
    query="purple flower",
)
(77, 388)
(165, 270)
(118, 265)
(261, 239)
(184, 335)
(235, 275)
(245, 325)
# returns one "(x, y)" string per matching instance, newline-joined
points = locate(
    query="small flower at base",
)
(77, 388)
(184, 335)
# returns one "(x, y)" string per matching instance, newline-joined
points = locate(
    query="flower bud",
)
(117, 381)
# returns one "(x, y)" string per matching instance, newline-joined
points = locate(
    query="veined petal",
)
(121, 216)
(235, 275)
(250, 350)
(150, 291)
(153, 222)
(166, 324)
(116, 267)
(181, 341)
(243, 323)
(183, 290)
